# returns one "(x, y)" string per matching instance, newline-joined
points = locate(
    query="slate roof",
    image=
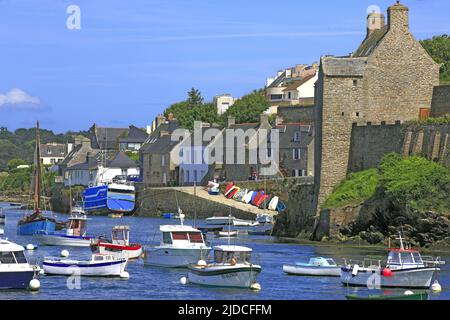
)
(344, 66)
(122, 161)
(162, 145)
(370, 43)
(53, 150)
(107, 138)
(135, 135)
(293, 85)
(79, 166)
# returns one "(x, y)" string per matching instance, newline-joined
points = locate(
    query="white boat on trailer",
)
(100, 265)
(180, 246)
(315, 267)
(405, 268)
(231, 267)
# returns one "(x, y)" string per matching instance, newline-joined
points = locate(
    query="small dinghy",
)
(100, 265)
(119, 246)
(248, 197)
(231, 268)
(227, 234)
(273, 203)
(408, 295)
(280, 206)
(315, 267)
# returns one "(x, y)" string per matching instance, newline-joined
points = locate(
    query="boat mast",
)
(70, 196)
(37, 182)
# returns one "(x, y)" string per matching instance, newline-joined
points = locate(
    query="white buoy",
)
(124, 275)
(34, 285)
(201, 263)
(255, 286)
(183, 280)
(30, 246)
(41, 271)
(436, 287)
(408, 293)
(64, 253)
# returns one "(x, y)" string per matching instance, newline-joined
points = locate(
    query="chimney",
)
(398, 19)
(288, 73)
(159, 119)
(375, 21)
(278, 120)
(230, 121)
(170, 116)
(149, 129)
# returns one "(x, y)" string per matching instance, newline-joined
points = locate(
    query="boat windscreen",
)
(20, 257)
(195, 237)
(7, 257)
(180, 236)
(227, 256)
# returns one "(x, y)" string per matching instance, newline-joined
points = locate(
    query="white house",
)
(53, 153)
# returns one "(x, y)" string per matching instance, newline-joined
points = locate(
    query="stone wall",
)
(440, 105)
(297, 113)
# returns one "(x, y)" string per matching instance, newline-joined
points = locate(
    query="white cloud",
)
(19, 99)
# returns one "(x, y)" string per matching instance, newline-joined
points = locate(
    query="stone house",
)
(54, 153)
(296, 151)
(133, 139)
(389, 77)
(125, 139)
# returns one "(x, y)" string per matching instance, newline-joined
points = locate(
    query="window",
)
(289, 95)
(343, 114)
(167, 239)
(195, 237)
(357, 114)
(163, 159)
(355, 83)
(294, 173)
(297, 136)
(180, 236)
(296, 154)
(7, 257)
(406, 257)
(276, 96)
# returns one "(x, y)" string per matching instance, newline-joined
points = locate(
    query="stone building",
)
(440, 105)
(389, 77)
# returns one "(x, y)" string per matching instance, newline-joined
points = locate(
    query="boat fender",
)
(436, 287)
(184, 280)
(387, 272)
(355, 270)
(201, 263)
(408, 293)
(64, 253)
(255, 286)
(34, 285)
(30, 246)
(124, 275)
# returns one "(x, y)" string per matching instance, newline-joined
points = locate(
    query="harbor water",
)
(147, 282)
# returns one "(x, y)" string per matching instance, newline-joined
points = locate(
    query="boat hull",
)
(15, 279)
(50, 239)
(174, 257)
(30, 228)
(406, 278)
(414, 296)
(312, 271)
(118, 251)
(100, 200)
(227, 276)
(68, 268)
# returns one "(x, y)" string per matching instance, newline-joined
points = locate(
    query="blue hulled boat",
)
(36, 221)
(109, 198)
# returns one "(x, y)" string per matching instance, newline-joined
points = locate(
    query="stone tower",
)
(388, 78)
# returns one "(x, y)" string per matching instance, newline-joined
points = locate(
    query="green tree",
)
(194, 97)
(438, 48)
(248, 108)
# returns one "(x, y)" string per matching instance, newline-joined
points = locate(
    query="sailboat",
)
(29, 224)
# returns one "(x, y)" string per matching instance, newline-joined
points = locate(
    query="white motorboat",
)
(119, 245)
(226, 234)
(315, 267)
(244, 223)
(264, 219)
(101, 265)
(15, 271)
(405, 268)
(75, 235)
(231, 267)
(180, 246)
(222, 221)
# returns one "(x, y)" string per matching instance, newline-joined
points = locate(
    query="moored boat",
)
(408, 295)
(15, 271)
(74, 236)
(219, 221)
(231, 267)
(101, 265)
(29, 224)
(226, 234)
(119, 245)
(315, 267)
(405, 268)
(180, 246)
(118, 198)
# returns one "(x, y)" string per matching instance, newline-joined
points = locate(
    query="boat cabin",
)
(11, 253)
(102, 257)
(121, 235)
(322, 262)
(77, 225)
(181, 235)
(404, 258)
(232, 254)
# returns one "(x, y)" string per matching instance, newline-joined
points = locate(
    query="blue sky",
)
(133, 58)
